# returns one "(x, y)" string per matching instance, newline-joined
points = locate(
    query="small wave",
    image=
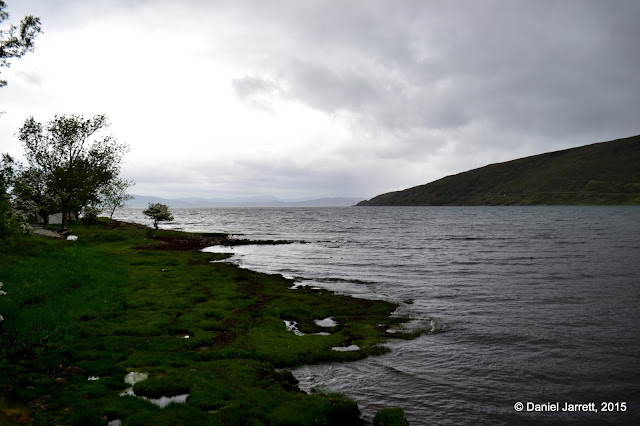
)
(460, 238)
(342, 280)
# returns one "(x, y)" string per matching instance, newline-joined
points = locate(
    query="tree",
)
(13, 221)
(158, 212)
(115, 195)
(31, 186)
(15, 42)
(75, 170)
(6, 179)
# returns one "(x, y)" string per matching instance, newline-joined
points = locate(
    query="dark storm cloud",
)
(546, 67)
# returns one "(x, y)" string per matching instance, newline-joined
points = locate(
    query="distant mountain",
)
(257, 201)
(606, 173)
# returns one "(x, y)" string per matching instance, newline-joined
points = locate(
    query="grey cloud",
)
(481, 80)
(329, 89)
(257, 92)
(250, 86)
(545, 68)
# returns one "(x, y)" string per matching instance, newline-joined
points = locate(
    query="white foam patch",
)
(292, 326)
(327, 322)
(346, 348)
(133, 378)
(163, 401)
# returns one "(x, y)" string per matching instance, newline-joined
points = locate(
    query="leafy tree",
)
(115, 195)
(158, 212)
(75, 169)
(13, 221)
(31, 186)
(6, 179)
(15, 42)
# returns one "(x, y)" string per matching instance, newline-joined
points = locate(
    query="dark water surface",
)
(534, 304)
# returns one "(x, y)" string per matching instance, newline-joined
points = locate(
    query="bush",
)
(390, 417)
(90, 215)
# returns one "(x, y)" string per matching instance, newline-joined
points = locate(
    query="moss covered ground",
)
(81, 315)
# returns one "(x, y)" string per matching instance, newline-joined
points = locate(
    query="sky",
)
(311, 99)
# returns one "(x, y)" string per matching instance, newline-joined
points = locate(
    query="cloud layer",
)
(328, 98)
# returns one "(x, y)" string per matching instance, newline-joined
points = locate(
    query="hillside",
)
(606, 173)
(258, 201)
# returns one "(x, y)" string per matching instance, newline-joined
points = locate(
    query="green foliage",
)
(158, 212)
(30, 188)
(72, 168)
(6, 177)
(110, 307)
(15, 42)
(90, 215)
(390, 417)
(13, 221)
(605, 173)
(114, 195)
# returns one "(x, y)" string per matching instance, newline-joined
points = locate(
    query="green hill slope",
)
(598, 174)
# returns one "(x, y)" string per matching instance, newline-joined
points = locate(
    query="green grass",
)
(605, 173)
(390, 417)
(103, 305)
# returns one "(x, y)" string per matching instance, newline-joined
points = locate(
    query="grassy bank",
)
(80, 316)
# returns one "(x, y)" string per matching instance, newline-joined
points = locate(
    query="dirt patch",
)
(119, 224)
(46, 233)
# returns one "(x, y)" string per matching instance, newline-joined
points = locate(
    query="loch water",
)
(537, 305)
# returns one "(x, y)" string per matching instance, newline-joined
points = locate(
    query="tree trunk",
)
(65, 213)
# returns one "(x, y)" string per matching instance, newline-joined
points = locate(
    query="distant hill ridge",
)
(257, 201)
(605, 173)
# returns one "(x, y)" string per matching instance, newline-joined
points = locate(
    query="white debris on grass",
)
(72, 238)
(92, 378)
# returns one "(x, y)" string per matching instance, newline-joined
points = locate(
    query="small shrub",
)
(90, 215)
(390, 417)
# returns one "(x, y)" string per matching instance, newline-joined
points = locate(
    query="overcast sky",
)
(309, 99)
